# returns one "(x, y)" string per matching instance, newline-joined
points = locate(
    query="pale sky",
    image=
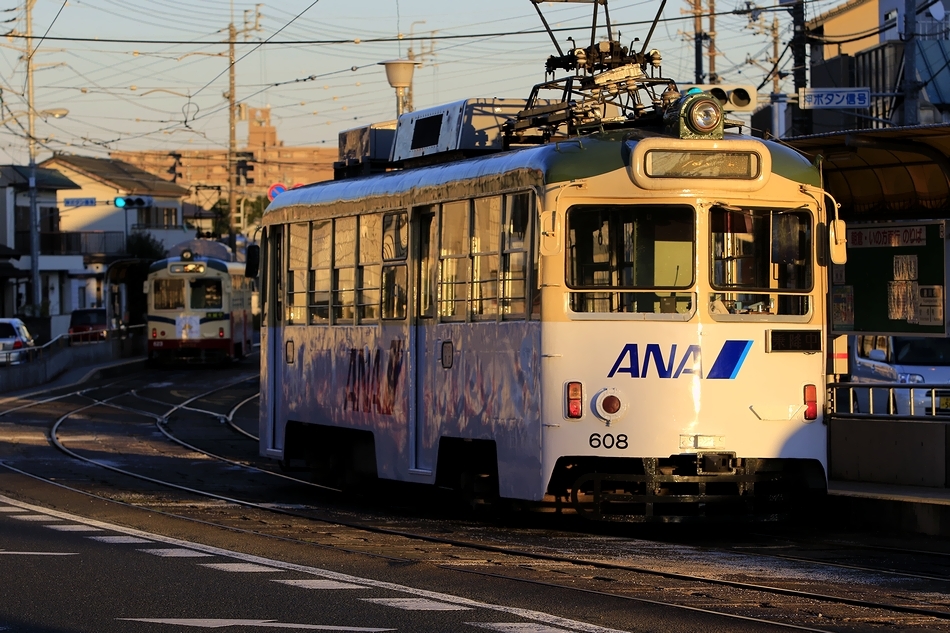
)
(494, 58)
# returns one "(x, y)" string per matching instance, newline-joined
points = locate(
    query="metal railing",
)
(890, 400)
(38, 353)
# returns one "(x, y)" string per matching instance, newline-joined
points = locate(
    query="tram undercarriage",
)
(701, 486)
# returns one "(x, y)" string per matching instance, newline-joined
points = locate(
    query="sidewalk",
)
(79, 375)
(891, 507)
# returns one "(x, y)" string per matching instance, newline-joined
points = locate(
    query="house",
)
(62, 274)
(120, 198)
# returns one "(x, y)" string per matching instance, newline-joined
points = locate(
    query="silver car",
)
(15, 342)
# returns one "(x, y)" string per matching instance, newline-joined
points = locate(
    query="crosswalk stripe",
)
(175, 552)
(319, 583)
(240, 567)
(119, 540)
(417, 604)
(73, 527)
(518, 627)
(36, 518)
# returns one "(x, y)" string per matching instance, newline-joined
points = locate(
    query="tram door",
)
(423, 346)
(273, 320)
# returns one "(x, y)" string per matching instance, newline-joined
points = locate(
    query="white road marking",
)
(73, 527)
(417, 604)
(221, 623)
(175, 552)
(240, 567)
(318, 583)
(119, 540)
(6, 510)
(517, 627)
(39, 553)
(575, 626)
(36, 518)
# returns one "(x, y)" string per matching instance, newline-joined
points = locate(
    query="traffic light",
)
(133, 202)
(243, 167)
(733, 97)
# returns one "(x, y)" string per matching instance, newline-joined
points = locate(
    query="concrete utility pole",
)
(232, 116)
(801, 119)
(35, 294)
(713, 76)
(419, 58)
(698, 39)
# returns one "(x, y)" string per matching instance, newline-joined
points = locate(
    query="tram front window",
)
(761, 261)
(169, 294)
(626, 258)
(206, 294)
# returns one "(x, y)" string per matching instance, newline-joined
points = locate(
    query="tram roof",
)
(559, 161)
(211, 262)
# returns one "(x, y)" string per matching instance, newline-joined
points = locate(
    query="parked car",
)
(88, 324)
(914, 361)
(15, 341)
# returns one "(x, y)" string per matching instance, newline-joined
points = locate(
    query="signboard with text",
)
(825, 98)
(894, 281)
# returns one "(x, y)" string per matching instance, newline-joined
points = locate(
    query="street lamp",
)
(399, 76)
(56, 113)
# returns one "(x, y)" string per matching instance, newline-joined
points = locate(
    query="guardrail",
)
(890, 400)
(32, 366)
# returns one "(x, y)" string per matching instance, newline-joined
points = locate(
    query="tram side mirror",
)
(837, 242)
(252, 260)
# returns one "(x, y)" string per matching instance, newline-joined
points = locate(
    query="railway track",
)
(522, 555)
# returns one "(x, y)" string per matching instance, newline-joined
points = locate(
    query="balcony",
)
(102, 243)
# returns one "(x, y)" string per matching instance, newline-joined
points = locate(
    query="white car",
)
(908, 362)
(15, 341)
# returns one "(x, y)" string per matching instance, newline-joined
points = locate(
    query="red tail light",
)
(575, 408)
(220, 332)
(17, 344)
(154, 333)
(70, 330)
(811, 402)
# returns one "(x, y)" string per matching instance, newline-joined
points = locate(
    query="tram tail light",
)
(220, 332)
(811, 402)
(154, 333)
(575, 408)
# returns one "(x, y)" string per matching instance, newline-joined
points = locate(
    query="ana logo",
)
(726, 366)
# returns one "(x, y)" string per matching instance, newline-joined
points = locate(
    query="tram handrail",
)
(843, 400)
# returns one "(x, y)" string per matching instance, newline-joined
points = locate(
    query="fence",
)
(33, 366)
(892, 433)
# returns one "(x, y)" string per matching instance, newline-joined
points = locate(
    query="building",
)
(62, 274)
(264, 161)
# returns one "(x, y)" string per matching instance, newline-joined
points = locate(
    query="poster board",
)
(894, 281)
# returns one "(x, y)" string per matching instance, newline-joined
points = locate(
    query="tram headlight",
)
(609, 404)
(696, 114)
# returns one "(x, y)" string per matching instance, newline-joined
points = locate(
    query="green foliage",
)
(144, 246)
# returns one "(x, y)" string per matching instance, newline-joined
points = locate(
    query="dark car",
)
(88, 324)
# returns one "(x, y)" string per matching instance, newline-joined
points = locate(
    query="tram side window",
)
(454, 264)
(344, 272)
(206, 294)
(394, 282)
(515, 253)
(169, 294)
(368, 269)
(486, 234)
(297, 265)
(762, 256)
(320, 250)
(631, 258)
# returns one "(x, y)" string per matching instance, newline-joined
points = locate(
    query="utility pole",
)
(35, 293)
(911, 88)
(713, 76)
(411, 55)
(801, 119)
(232, 117)
(698, 39)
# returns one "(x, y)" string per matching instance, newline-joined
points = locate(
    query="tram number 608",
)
(607, 440)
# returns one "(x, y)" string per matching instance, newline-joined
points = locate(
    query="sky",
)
(314, 63)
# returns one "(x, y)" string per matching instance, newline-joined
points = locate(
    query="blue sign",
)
(830, 98)
(80, 202)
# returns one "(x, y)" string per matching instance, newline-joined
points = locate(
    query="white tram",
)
(199, 309)
(628, 323)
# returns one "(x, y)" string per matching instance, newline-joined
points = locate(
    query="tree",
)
(144, 246)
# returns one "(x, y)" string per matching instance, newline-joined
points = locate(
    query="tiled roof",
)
(45, 178)
(124, 176)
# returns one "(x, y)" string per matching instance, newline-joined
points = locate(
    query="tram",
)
(199, 309)
(604, 304)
